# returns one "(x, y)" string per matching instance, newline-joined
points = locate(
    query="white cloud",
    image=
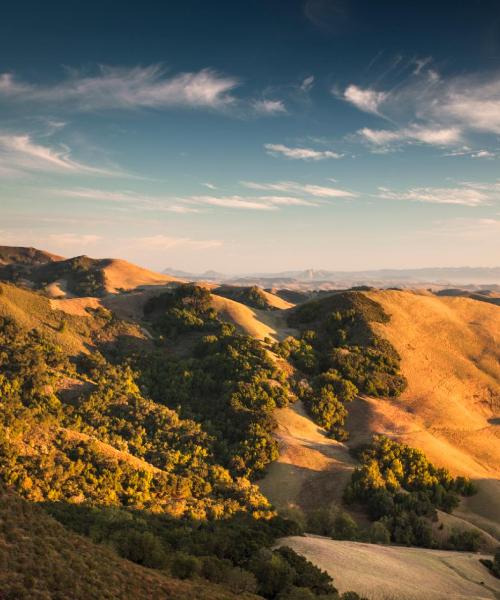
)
(164, 242)
(307, 84)
(293, 187)
(467, 194)
(269, 107)
(265, 203)
(19, 153)
(237, 202)
(466, 151)
(468, 102)
(426, 135)
(209, 185)
(366, 100)
(128, 88)
(300, 153)
(73, 239)
(287, 201)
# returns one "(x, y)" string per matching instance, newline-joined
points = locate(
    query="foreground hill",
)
(40, 559)
(387, 572)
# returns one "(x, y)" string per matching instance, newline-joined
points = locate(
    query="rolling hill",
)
(387, 572)
(449, 357)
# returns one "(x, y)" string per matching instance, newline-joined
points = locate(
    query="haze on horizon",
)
(264, 137)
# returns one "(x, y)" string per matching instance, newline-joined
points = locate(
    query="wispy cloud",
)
(300, 153)
(20, 153)
(238, 202)
(307, 84)
(269, 107)
(467, 194)
(425, 135)
(293, 187)
(466, 151)
(132, 199)
(127, 88)
(68, 240)
(465, 229)
(427, 101)
(165, 242)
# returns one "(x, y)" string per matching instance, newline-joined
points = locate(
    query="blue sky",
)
(255, 136)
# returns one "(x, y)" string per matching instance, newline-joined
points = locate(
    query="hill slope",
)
(450, 356)
(21, 255)
(41, 559)
(382, 572)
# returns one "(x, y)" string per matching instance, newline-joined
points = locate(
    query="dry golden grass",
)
(32, 310)
(312, 468)
(252, 321)
(75, 306)
(277, 302)
(122, 275)
(393, 572)
(451, 357)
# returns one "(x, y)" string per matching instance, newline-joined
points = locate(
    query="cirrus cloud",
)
(127, 88)
(300, 153)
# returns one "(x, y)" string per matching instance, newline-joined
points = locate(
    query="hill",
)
(41, 559)
(386, 572)
(78, 276)
(449, 356)
(20, 255)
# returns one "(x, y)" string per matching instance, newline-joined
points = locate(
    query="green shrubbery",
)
(339, 355)
(401, 490)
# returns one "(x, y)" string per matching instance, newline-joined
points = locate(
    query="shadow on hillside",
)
(122, 345)
(288, 485)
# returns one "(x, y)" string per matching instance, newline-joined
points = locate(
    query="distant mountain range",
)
(323, 279)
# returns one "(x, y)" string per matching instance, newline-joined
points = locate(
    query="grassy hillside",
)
(390, 572)
(40, 559)
(451, 358)
(78, 276)
(168, 402)
(252, 296)
(20, 255)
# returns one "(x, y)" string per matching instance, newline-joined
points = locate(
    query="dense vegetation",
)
(401, 491)
(252, 296)
(150, 453)
(230, 382)
(339, 355)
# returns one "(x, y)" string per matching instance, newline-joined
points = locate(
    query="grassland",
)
(392, 572)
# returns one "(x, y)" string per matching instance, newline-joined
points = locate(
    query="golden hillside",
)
(382, 572)
(450, 409)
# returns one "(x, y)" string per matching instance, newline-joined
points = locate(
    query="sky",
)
(264, 135)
